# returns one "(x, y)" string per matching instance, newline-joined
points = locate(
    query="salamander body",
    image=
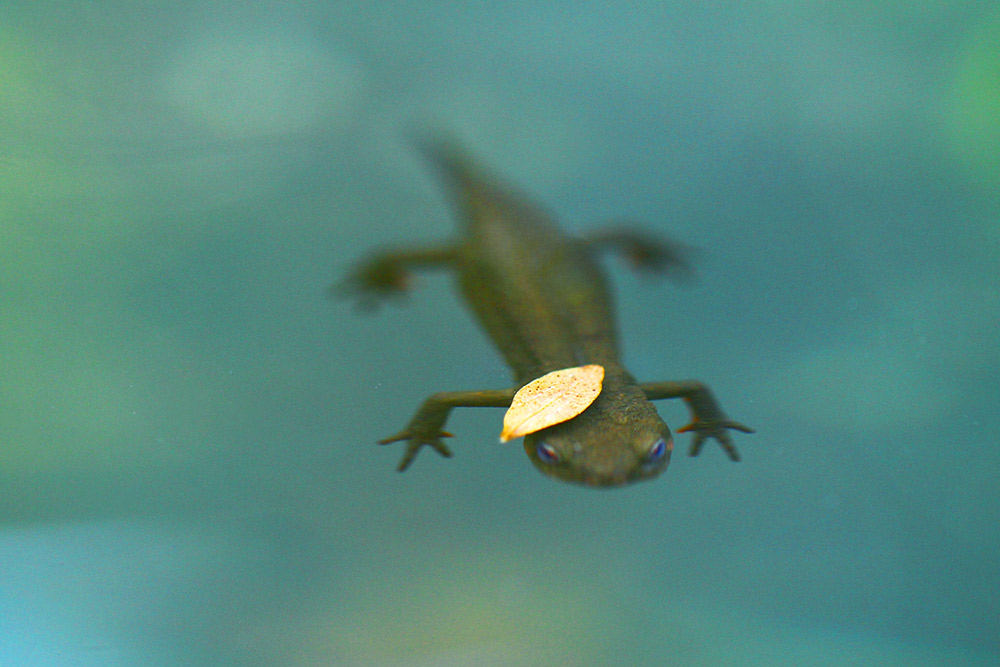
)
(542, 297)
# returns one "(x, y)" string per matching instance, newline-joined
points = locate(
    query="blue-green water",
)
(187, 467)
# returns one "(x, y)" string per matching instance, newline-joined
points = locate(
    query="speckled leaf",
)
(551, 399)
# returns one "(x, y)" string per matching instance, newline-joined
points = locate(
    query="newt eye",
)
(657, 451)
(546, 452)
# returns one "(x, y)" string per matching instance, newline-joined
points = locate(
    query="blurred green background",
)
(187, 468)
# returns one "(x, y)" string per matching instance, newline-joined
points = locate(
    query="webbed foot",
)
(718, 429)
(648, 253)
(427, 425)
(415, 439)
(373, 281)
(665, 257)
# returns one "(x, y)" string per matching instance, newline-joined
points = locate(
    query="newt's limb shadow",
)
(646, 252)
(389, 273)
(707, 418)
(426, 426)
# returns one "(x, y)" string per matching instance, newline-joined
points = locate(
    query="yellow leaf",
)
(552, 399)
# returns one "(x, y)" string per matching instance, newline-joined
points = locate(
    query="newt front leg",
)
(426, 426)
(707, 418)
(389, 273)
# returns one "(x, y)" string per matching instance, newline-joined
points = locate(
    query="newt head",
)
(618, 440)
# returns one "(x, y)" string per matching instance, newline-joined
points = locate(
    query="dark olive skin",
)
(542, 298)
(614, 441)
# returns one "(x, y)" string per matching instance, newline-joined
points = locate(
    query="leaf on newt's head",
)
(551, 399)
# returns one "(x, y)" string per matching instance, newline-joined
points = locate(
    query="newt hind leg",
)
(646, 252)
(387, 274)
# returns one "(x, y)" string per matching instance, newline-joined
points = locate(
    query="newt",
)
(543, 299)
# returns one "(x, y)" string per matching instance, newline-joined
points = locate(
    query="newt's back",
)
(537, 292)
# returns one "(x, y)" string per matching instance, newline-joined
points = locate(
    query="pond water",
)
(188, 423)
